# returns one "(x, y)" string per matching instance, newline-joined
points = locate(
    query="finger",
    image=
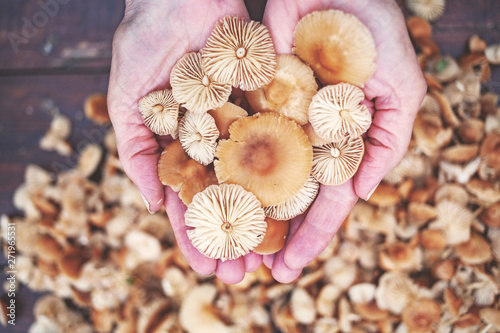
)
(281, 272)
(386, 140)
(230, 271)
(176, 210)
(281, 26)
(140, 162)
(268, 260)
(252, 262)
(321, 223)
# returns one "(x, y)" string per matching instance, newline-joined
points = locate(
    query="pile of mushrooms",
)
(254, 164)
(422, 255)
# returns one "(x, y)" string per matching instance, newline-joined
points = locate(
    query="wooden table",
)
(59, 59)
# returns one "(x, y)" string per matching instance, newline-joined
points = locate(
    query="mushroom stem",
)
(347, 116)
(227, 227)
(205, 81)
(197, 136)
(335, 152)
(158, 108)
(241, 52)
(486, 328)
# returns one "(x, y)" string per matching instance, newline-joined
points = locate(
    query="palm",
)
(393, 95)
(146, 46)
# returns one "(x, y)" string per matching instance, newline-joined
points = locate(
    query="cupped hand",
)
(151, 38)
(393, 96)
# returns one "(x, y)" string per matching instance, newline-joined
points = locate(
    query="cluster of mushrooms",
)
(422, 255)
(246, 167)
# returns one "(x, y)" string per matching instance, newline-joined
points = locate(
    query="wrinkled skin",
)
(155, 34)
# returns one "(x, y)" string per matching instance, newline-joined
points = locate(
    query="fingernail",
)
(147, 204)
(371, 192)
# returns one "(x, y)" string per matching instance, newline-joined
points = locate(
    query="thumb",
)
(139, 155)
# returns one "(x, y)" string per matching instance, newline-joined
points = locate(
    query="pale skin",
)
(155, 34)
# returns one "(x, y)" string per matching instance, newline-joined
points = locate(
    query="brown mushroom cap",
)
(337, 46)
(422, 315)
(428, 9)
(335, 112)
(240, 53)
(225, 116)
(198, 135)
(289, 93)
(491, 317)
(490, 152)
(297, 204)
(314, 138)
(193, 88)
(159, 111)
(336, 163)
(96, 108)
(275, 238)
(475, 251)
(228, 222)
(267, 154)
(429, 133)
(177, 170)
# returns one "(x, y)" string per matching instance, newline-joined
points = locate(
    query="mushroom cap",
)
(422, 315)
(198, 134)
(314, 138)
(240, 53)
(335, 112)
(267, 154)
(89, 159)
(225, 116)
(474, 251)
(337, 162)
(427, 9)
(454, 220)
(275, 238)
(159, 111)
(184, 174)
(337, 46)
(492, 53)
(394, 291)
(193, 88)
(289, 93)
(228, 222)
(491, 316)
(96, 108)
(297, 204)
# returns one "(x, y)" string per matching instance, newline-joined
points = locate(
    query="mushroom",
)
(182, 173)
(432, 239)
(326, 299)
(400, 256)
(490, 153)
(228, 222)
(476, 44)
(337, 46)
(225, 116)
(428, 9)
(193, 88)
(491, 317)
(471, 130)
(55, 138)
(159, 111)
(267, 154)
(240, 53)
(198, 135)
(96, 108)
(336, 112)
(297, 204)
(89, 159)
(445, 68)
(476, 250)
(430, 135)
(385, 196)
(314, 138)
(491, 216)
(302, 306)
(362, 293)
(421, 315)
(484, 192)
(198, 304)
(454, 220)
(289, 93)
(492, 53)
(394, 291)
(275, 237)
(336, 163)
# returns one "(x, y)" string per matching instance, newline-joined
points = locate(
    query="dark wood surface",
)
(68, 58)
